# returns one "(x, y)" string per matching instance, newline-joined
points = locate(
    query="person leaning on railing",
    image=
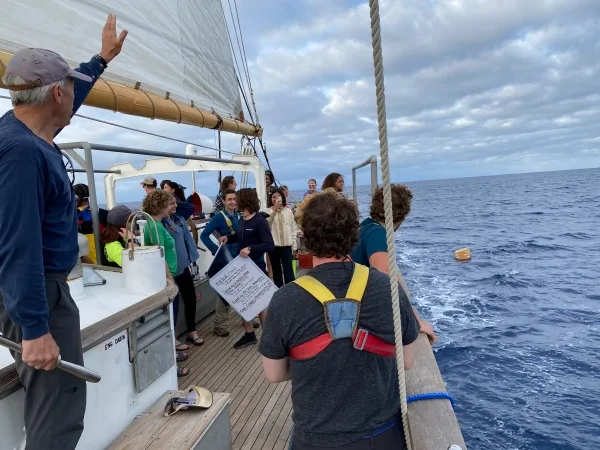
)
(371, 248)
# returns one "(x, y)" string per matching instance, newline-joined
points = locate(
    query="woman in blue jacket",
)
(187, 254)
(223, 223)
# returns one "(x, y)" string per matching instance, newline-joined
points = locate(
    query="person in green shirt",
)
(159, 205)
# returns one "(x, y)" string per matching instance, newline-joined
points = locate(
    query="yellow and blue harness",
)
(341, 318)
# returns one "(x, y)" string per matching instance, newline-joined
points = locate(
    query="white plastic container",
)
(144, 270)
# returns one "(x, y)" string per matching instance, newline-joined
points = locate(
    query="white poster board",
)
(244, 286)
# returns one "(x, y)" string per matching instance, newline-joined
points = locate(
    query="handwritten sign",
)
(244, 286)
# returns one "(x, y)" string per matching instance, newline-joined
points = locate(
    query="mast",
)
(137, 102)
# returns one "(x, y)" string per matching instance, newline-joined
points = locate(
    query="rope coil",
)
(387, 204)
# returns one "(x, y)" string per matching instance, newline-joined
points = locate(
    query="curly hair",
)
(330, 180)
(330, 225)
(401, 199)
(247, 198)
(156, 202)
(276, 191)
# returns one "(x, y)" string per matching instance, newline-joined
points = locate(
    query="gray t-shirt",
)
(342, 394)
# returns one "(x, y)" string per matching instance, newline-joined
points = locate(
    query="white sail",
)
(178, 47)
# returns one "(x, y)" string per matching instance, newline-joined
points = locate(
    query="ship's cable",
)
(387, 205)
(245, 59)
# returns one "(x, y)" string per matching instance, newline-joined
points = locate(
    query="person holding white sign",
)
(254, 240)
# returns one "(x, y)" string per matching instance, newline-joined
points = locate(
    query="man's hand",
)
(111, 44)
(428, 330)
(41, 353)
(244, 252)
(223, 240)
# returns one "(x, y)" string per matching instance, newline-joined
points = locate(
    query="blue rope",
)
(430, 396)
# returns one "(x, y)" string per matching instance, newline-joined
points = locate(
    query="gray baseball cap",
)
(118, 215)
(39, 67)
(149, 181)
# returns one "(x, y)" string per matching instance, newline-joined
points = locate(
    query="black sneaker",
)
(247, 339)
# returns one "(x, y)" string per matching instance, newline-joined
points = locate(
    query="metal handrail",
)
(373, 162)
(89, 169)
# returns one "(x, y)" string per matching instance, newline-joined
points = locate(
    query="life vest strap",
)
(228, 222)
(318, 290)
(362, 340)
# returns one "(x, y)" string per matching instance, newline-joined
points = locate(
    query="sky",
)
(473, 87)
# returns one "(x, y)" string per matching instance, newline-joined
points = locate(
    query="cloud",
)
(473, 87)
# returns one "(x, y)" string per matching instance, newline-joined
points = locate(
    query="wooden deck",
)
(261, 412)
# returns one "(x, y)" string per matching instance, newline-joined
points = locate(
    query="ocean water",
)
(519, 324)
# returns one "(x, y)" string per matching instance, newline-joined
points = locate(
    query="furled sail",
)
(176, 62)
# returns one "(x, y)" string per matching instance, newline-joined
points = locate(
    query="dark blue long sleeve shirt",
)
(255, 234)
(219, 224)
(185, 209)
(38, 216)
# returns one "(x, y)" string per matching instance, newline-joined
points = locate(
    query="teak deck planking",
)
(261, 412)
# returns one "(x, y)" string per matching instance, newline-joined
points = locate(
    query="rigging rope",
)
(245, 60)
(243, 72)
(235, 59)
(387, 204)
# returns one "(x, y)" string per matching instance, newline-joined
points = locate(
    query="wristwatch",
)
(249, 249)
(101, 60)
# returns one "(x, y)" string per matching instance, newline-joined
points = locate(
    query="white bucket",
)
(144, 269)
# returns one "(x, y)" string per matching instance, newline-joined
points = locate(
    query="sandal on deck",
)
(181, 347)
(181, 356)
(198, 341)
(182, 371)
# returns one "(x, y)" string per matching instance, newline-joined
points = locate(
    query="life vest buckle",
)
(360, 339)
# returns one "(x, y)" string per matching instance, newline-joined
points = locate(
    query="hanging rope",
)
(387, 204)
(245, 59)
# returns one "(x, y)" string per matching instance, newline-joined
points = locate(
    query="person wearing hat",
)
(114, 237)
(36, 307)
(149, 184)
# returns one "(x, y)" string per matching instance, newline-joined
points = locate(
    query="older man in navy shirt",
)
(38, 243)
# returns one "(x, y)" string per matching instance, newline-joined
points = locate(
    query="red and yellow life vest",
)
(341, 318)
